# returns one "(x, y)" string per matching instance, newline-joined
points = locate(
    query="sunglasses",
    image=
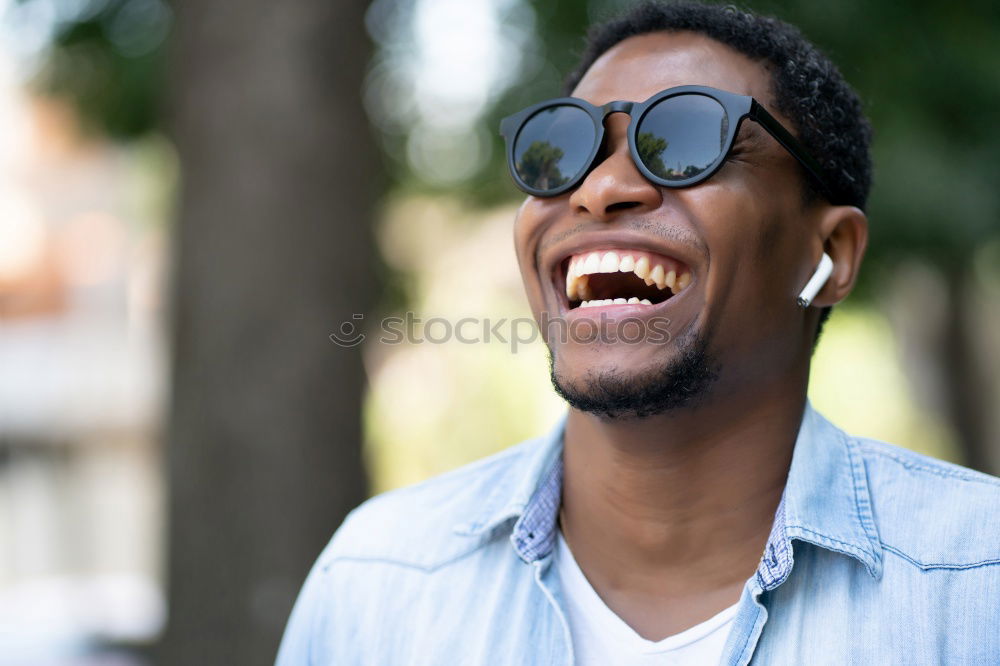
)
(678, 137)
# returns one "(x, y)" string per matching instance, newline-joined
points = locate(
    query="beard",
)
(613, 395)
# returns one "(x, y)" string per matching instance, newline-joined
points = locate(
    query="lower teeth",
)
(615, 301)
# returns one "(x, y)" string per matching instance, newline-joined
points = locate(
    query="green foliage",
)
(651, 149)
(108, 60)
(539, 165)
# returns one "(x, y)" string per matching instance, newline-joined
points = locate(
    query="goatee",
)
(614, 395)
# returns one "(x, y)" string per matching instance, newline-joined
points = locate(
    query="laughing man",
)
(709, 173)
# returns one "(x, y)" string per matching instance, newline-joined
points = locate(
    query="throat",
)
(625, 285)
(642, 503)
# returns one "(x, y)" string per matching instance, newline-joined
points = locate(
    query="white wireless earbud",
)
(816, 282)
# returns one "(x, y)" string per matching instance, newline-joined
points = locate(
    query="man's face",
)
(741, 237)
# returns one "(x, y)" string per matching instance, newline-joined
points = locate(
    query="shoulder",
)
(410, 530)
(932, 513)
(415, 526)
(403, 533)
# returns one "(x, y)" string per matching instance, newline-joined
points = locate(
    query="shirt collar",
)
(825, 502)
(511, 496)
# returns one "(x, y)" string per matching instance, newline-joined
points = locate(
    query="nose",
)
(615, 184)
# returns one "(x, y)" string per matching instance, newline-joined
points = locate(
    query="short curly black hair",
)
(807, 87)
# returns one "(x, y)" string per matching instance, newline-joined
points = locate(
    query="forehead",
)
(638, 67)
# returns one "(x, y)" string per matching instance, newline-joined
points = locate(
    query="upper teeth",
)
(650, 268)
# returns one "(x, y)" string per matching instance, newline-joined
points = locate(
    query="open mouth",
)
(622, 277)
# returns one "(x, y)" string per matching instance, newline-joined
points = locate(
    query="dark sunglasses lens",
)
(553, 146)
(680, 137)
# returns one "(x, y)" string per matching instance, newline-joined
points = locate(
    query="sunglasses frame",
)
(737, 108)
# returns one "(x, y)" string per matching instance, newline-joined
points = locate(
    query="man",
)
(692, 508)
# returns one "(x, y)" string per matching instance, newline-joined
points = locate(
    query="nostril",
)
(622, 205)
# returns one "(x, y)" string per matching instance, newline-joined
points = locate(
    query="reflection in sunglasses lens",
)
(681, 136)
(553, 146)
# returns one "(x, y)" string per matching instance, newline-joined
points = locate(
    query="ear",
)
(843, 233)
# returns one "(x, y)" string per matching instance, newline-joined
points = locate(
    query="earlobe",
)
(844, 237)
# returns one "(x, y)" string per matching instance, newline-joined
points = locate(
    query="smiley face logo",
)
(349, 335)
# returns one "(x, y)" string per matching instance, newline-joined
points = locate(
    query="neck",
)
(680, 499)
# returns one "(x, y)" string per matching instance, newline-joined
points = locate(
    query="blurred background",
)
(195, 195)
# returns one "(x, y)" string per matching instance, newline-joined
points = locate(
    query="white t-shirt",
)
(601, 638)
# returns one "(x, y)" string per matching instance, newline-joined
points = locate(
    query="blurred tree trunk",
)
(942, 319)
(967, 402)
(273, 252)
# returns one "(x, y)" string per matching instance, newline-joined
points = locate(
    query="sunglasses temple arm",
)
(793, 146)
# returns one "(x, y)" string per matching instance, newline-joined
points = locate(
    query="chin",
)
(618, 386)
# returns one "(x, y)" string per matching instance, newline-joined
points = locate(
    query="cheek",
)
(523, 232)
(764, 321)
(527, 229)
(755, 240)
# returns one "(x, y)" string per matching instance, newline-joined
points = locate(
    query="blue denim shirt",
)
(877, 555)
